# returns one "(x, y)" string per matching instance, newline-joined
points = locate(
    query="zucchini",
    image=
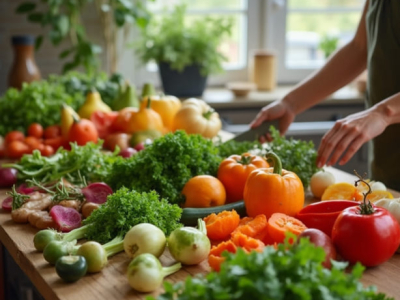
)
(190, 215)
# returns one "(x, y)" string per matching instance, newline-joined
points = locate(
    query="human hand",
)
(348, 135)
(276, 110)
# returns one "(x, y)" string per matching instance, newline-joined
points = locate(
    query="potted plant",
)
(185, 53)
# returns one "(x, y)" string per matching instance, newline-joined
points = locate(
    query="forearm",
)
(341, 69)
(389, 109)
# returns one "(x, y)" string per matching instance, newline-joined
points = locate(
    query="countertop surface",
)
(222, 98)
(111, 283)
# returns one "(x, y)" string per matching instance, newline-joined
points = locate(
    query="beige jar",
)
(263, 69)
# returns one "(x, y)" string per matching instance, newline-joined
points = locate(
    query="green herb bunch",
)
(166, 165)
(291, 272)
(172, 40)
(297, 156)
(87, 161)
(126, 208)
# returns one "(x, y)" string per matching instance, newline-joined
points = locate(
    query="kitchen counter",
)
(111, 283)
(220, 98)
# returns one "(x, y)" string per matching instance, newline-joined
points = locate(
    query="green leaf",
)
(63, 25)
(65, 53)
(55, 37)
(119, 17)
(25, 7)
(38, 42)
(35, 17)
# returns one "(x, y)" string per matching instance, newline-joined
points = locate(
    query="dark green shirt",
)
(383, 32)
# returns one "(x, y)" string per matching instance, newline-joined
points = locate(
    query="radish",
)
(7, 204)
(97, 192)
(66, 218)
(25, 190)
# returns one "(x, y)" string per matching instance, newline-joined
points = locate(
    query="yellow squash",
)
(145, 119)
(196, 116)
(166, 106)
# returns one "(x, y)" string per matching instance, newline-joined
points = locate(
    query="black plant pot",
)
(185, 84)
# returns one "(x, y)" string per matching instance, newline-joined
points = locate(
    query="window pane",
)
(299, 4)
(310, 37)
(199, 4)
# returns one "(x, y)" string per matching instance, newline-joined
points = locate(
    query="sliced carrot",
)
(279, 224)
(215, 258)
(247, 243)
(220, 226)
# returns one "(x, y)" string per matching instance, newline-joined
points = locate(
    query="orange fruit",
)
(204, 191)
(342, 191)
(377, 195)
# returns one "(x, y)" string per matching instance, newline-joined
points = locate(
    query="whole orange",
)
(204, 191)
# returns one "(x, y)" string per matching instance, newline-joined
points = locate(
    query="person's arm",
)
(350, 133)
(343, 67)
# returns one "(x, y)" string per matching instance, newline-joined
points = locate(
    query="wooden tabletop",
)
(112, 283)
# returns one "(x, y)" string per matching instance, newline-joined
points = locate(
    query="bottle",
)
(263, 70)
(24, 68)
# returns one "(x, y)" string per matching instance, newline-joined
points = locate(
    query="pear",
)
(148, 90)
(127, 98)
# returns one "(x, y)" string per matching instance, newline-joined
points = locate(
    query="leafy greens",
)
(125, 209)
(292, 272)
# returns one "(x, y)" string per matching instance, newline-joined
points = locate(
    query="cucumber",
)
(190, 214)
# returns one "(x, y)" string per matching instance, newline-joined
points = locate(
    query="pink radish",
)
(97, 192)
(7, 204)
(25, 189)
(66, 218)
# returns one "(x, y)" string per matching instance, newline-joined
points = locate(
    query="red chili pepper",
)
(322, 215)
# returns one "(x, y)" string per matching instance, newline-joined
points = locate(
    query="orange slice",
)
(342, 191)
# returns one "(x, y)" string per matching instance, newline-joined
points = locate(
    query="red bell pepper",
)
(322, 215)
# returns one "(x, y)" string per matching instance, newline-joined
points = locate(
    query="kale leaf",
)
(126, 208)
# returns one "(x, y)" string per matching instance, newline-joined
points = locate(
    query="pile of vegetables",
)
(40, 101)
(166, 165)
(292, 271)
(296, 155)
(87, 161)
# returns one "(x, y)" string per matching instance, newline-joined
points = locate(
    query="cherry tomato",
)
(47, 150)
(103, 122)
(55, 143)
(52, 131)
(14, 136)
(83, 132)
(33, 142)
(16, 149)
(36, 130)
(369, 239)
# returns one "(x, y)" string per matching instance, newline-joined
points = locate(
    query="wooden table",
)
(111, 283)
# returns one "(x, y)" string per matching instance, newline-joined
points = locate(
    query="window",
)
(245, 14)
(294, 29)
(306, 32)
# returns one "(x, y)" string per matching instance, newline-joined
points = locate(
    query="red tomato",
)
(14, 136)
(121, 123)
(369, 239)
(83, 132)
(16, 149)
(52, 131)
(103, 122)
(36, 130)
(55, 143)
